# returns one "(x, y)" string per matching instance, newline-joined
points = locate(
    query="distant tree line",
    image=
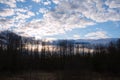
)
(66, 55)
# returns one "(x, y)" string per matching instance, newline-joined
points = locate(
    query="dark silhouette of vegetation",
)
(66, 55)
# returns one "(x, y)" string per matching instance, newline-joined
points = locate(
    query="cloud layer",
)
(96, 35)
(65, 16)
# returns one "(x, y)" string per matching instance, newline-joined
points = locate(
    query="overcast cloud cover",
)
(39, 18)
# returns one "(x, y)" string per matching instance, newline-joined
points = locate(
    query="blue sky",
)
(61, 19)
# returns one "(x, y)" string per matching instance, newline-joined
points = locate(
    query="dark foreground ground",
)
(59, 75)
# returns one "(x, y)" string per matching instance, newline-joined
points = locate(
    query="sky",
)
(61, 19)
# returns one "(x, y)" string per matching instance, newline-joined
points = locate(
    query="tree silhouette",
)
(61, 56)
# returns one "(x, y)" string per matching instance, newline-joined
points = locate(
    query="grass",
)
(59, 75)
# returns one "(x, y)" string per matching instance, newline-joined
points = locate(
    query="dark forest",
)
(14, 57)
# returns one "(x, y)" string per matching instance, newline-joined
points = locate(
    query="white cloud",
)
(21, 0)
(21, 17)
(11, 3)
(20, 10)
(70, 14)
(91, 9)
(47, 3)
(6, 23)
(50, 39)
(76, 36)
(96, 35)
(50, 25)
(6, 12)
(113, 3)
(17, 18)
(67, 15)
(29, 13)
(37, 1)
(56, 1)
(43, 10)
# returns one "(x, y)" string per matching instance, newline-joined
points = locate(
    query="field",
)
(59, 75)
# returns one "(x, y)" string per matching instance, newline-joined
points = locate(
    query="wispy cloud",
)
(96, 35)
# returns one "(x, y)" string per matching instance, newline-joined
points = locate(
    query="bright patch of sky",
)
(61, 19)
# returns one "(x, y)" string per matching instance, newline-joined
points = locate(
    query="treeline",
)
(17, 56)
